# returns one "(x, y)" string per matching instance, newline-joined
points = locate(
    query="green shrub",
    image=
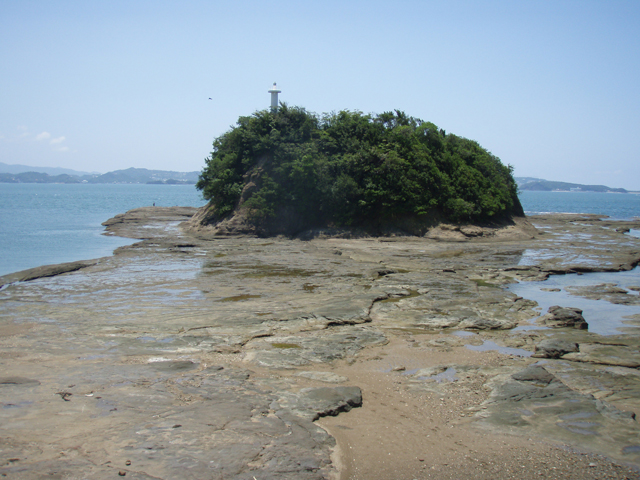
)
(349, 168)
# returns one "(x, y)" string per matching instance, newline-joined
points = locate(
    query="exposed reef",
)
(191, 355)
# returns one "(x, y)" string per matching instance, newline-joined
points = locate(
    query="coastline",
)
(243, 342)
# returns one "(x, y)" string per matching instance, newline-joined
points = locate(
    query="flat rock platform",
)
(191, 356)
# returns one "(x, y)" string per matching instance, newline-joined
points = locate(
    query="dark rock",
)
(18, 381)
(46, 271)
(559, 317)
(385, 271)
(313, 403)
(553, 348)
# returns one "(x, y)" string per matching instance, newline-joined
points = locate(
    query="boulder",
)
(313, 403)
(554, 348)
(559, 317)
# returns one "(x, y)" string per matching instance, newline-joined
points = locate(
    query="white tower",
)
(274, 97)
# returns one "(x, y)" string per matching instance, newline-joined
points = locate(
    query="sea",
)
(43, 224)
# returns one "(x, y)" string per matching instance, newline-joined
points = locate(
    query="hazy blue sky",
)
(550, 87)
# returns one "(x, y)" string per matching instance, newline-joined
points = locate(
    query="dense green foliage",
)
(349, 168)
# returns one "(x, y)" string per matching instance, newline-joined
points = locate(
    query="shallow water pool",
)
(603, 317)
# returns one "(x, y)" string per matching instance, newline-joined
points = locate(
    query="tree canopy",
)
(351, 169)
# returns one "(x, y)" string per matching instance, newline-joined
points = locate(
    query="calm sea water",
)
(620, 206)
(43, 224)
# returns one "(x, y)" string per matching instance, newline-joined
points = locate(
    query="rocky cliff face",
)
(287, 222)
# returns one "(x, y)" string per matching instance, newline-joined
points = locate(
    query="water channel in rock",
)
(603, 316)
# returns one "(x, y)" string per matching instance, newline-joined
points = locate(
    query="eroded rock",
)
(554, 348)
(536, 401)
(188, 354)
(313, 403)
(561, 317)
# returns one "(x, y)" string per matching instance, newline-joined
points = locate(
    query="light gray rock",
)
(606, 354)
(324, 346)
(606, 291)
(180, 352)
(327, 377)
(534, 401)
(313, 403)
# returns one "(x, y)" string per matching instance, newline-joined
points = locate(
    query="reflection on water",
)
(603, 317)
(535, 256)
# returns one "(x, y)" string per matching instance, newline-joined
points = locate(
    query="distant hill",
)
(38, 177)
(130, 175)
(7, 168)
(538, 184)
(142, 175)
(522, 180)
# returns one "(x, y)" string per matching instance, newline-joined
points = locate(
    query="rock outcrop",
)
(561, 317)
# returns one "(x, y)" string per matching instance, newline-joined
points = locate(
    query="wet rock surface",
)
(609, 292)
(190, 356)
(554, 348)
(561, 317)
(537, 401)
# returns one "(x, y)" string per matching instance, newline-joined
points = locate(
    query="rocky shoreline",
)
(187, 355)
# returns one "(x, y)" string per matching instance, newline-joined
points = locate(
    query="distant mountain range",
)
(6, 168)
(538, 184)
(26, 174)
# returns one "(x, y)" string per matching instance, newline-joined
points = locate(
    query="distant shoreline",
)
(138, 176)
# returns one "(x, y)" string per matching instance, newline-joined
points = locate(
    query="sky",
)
(550, 87)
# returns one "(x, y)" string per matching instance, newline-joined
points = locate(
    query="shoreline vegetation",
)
(346, 358)
(289, 170)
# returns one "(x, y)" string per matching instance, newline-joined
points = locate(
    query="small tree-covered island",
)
(286, 171)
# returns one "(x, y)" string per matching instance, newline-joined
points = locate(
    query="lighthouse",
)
(274, 97)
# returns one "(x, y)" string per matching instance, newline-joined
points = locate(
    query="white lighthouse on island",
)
(274, 97)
